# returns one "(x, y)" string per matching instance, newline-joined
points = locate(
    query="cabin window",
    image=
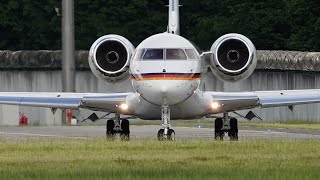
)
(176, 54)
(191, 54)
(152, 54)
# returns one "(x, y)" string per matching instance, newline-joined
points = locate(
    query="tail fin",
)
(174, 18)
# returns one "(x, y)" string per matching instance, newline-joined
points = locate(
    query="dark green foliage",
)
(283, 24)
(29, 24)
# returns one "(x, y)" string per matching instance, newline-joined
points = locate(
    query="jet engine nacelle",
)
(234, 57)
(109, 57)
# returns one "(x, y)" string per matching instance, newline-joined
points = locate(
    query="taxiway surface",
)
(149, 132)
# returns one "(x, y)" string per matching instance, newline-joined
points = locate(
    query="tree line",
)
(273, 25)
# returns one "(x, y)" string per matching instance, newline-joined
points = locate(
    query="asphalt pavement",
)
(15, 133)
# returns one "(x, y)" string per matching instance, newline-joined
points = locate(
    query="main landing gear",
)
(226, 125)
(166, 133)
(118, 126)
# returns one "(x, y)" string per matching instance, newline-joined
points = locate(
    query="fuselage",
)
(165, 69)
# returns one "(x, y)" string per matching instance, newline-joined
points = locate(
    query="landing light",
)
(215, 105)
(123, 106)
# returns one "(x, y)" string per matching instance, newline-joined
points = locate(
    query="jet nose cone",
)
(164, 89)
(173, 91)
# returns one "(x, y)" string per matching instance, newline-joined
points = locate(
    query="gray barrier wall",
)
(50, 81)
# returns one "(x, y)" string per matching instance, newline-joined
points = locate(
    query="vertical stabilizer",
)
(174, 19)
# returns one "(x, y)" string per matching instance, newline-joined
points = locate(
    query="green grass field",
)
(147, 159)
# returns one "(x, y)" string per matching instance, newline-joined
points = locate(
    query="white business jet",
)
(165, 72)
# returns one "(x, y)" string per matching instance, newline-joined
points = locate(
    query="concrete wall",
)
(50, 81)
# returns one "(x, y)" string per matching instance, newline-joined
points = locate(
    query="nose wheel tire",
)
(218, 132)
(161, 135)
(170, 136)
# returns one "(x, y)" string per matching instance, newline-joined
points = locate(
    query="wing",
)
(232, 101)
(93, 101)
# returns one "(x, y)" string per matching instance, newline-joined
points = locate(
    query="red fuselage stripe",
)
(166, 76)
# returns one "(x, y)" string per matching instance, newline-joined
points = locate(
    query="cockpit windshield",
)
(165, 54)
(176, 54)
(153, 54)
(149, 54)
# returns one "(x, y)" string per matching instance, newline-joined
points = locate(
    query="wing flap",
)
(288, 97)
(63, 103)
(110, 102)
(232, 101)
(48, 102)
(94, 101)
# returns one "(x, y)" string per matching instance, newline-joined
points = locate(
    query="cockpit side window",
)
(152, 54)
(176, 54)
(191, 54)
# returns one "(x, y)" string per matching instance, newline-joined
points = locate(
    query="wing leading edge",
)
(232, 101)
(94, 101)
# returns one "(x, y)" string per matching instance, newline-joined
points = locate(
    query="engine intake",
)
(109, 57)
(234, 57)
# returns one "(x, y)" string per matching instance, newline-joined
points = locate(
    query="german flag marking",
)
(166, 76)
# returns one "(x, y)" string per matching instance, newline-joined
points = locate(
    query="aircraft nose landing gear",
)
(226, 125)
(170, 135)
(166, 133)
(114, 127)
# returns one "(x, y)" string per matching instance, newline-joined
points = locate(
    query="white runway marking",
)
(41, 135)
(27, 134)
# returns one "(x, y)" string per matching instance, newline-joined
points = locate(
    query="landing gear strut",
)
(226, 125)
(117, 126)
(166, 133)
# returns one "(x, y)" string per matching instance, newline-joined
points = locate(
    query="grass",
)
(210, 124)
(146, 159)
